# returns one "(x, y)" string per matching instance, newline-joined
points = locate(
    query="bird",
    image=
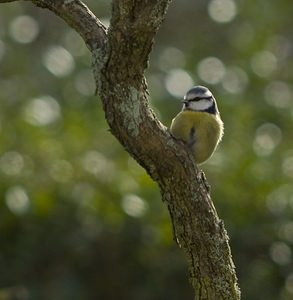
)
(199, 124)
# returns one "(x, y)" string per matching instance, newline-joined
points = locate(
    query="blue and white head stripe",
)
(199, 98)
(197, 93)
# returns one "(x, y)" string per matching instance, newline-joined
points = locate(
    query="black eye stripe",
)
(200, 98)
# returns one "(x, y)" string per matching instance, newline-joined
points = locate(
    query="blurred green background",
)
(79, 219)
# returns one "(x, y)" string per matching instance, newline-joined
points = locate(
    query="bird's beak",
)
(184, 101)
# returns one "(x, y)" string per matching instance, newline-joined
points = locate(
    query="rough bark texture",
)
(120, 56)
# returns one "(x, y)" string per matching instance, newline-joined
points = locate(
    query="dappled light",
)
(267, 138)
(287, 166)
(79, 218)
(61, 171)
(24, 29)
(211, 70)
(43, 110)
(281, 253)
(178, 82)
(222, 11)
(58, 61)
(263, 63)
(278, 201)
(235, 80)
(17, 200)
(11, 163)
(97, 164)
(134, 206)
(171, 58)
(279, 94)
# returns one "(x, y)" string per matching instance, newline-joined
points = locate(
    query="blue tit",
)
(199, 124)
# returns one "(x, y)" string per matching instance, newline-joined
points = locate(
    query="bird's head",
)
(199, 98)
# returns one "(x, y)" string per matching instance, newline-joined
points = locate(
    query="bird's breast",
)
(201, 131)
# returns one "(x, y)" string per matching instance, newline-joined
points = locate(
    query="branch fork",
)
(120, 57)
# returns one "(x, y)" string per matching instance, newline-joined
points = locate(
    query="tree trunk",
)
(120, 57)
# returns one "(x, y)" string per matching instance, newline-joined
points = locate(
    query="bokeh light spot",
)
(97, 164)
(281, 46)
(41, 111)
(222, 11)
(211, 70)
(24, 29)
(278, 94)
(17, 200)
(171, 58)
(280, 253)
(84, 191)
(287, 166)
(286, 231)
(61, 171)
(58, 61)
(235, 80)
(11, 163)
(267, 137)
(278, 200)
(263, 63)
(133, 205)
(178, 82)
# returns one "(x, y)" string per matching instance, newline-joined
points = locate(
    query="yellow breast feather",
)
(201, 131)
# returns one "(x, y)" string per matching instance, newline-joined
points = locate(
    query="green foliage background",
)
(79, 219)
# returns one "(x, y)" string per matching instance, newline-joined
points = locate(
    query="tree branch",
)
(120, 57)
(197, 227)
(6, 1)
(78, 16)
